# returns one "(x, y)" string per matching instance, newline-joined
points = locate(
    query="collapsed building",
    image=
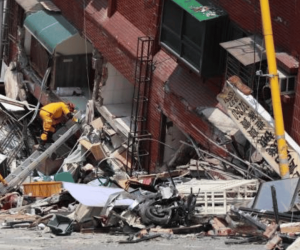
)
(160, 107)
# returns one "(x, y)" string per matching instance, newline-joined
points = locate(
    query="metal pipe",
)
(240, 170)
(4, 28)
(276, 101)
(1, 32)
(251, 165)
(45, 78)
(275, 206)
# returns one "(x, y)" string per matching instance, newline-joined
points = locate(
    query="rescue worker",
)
(53, 114)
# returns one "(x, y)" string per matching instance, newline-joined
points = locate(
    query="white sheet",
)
(94, 196)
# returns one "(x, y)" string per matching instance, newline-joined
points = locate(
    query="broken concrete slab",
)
(295, 245)
(220, 227)
(271, 244)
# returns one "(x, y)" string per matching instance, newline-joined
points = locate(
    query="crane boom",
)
(275, 90)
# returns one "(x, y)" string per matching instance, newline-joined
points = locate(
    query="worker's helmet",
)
(71, 106)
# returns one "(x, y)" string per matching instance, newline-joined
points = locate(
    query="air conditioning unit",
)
(287, 83)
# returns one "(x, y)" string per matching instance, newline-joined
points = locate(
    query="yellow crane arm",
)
(275, 90)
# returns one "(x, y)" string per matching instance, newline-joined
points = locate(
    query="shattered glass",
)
(286, 193)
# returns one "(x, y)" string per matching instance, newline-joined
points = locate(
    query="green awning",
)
(49, 28)
(196, 9)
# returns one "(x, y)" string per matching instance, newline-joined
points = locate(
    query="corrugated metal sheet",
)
(246, 50)
(50, 29)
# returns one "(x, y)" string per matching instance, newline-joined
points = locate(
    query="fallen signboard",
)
(257, 125)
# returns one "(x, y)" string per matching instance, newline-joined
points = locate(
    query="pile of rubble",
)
(81, 183)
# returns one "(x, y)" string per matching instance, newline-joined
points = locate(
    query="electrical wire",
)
(20, 119)
(258, 80)
(233, 155)
(111, 158)
(39, 100)
(148, 139)
(160, 62)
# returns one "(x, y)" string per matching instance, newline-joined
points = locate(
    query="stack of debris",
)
(81, 183)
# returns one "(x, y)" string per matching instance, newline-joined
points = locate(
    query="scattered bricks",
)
(288, 99)
(240, 227)
(225, 231)
(273, 242)
(9, 201)
(270, 230)
(287, 62)
(161, 230)
(218, 223)
(292, 234)
(210, 233)
(246, 230)
(142, 233)
(295, 245)
(220, 227)
(237, 82)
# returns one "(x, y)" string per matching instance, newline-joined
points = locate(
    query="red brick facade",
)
(116, 38)
(175, 90)
(285, 17)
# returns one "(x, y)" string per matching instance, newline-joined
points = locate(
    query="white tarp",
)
(94, 196)
(258, 127)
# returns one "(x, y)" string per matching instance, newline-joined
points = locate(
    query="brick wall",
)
(141, 14)
(176, 92)
(285, 17)
(116, 39)
(295, 133)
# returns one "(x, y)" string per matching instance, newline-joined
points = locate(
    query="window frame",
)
(282, 75)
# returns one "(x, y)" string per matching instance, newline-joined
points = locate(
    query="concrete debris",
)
(85, 182)
(295, 245)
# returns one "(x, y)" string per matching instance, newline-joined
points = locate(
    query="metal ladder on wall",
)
(16, 178)
(139, 137)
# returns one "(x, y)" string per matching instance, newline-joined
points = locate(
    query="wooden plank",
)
(97, 124)
(95, 148)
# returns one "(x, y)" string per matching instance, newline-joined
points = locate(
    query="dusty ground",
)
(25, 239)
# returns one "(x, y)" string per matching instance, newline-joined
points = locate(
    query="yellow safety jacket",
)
(51, 115)
(56, 109)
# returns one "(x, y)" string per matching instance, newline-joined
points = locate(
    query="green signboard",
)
(197, 10)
